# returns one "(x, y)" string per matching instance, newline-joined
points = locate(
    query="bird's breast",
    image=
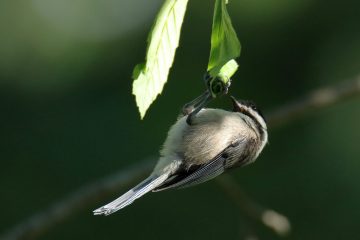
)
(212, 132)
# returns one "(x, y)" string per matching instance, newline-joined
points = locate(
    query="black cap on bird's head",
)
(249, 109)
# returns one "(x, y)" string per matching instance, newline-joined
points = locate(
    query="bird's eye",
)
(252, 105)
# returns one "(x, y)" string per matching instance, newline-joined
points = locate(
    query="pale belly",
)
(213, 130)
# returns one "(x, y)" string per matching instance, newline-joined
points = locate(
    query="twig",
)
(43, 221)
(85, 196)
(270, 218)
(317, 99)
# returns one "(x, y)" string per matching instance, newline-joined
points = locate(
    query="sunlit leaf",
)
(219, 85)
(228, 70)
(225, 45)
(150, 77)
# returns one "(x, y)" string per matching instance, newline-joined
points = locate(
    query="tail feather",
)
(130, 196)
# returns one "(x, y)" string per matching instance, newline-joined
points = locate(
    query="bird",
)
(217, 140)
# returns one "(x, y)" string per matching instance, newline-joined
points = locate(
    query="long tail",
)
(130, 196)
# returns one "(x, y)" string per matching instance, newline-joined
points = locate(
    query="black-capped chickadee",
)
(215, 141)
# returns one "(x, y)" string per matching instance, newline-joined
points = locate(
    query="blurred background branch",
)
(319, 98)
(70, 205)
(99, 190)
(268, 217)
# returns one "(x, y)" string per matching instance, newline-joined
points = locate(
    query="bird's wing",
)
(189, 178)
(199, 174)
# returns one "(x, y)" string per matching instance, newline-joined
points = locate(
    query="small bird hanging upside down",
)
(196, 151)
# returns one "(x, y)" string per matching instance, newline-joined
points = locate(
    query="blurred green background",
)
(68, 116)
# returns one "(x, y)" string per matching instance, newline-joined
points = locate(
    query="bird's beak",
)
(236, 105)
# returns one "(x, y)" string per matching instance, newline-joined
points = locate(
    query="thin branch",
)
(60, 211)
(85, 196)
(317, 99)
(270, 218)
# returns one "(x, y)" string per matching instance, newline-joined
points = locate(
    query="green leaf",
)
(225, 45)
(228, 70)
(219, 85)
(137, 70)
(149, 78)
